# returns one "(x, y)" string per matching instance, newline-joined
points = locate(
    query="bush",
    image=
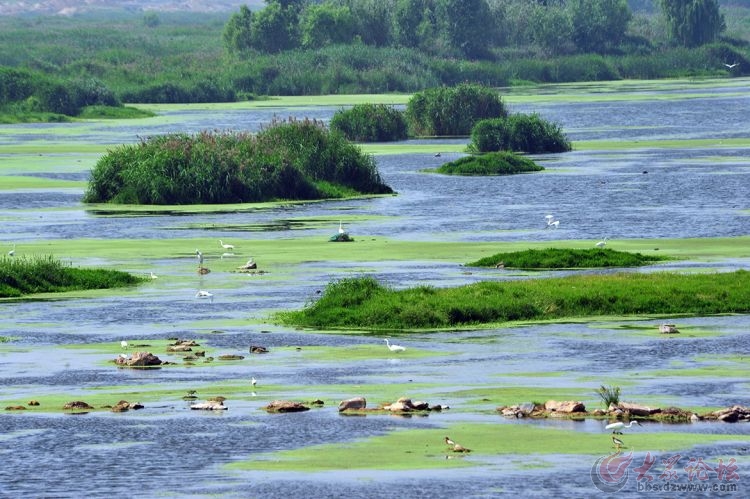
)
(519, 132)
(370, 123)
(495, 163)
(288, 160)
(452, 110)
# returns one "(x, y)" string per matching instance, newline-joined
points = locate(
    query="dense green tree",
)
(413, 22)
(374, 24)
(237, 33)
(598, 25)
(551, 29)
(275, 28)
(692, 23)
(469, 26)
(326, 24)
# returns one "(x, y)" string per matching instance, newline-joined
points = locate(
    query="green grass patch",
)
(24, 275)
(566, 258)
(113, 113)
(426, 449)
(9, 182)
(364, 303)
(494, 163)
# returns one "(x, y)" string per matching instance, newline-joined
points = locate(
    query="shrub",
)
(527, 133)
(495, 163)
(288, 160)
(370, 123)
(452, 110)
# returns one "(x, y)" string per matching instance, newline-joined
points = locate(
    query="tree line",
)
(473, 29)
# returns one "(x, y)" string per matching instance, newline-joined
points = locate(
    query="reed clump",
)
(44, 274)
(289, 160)
(363, 303)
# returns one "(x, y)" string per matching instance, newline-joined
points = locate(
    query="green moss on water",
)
(425, 448)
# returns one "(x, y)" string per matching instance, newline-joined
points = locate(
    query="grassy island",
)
(557, 258)
(289, 160)
(24, 276)
(363, 303)
(494, 163)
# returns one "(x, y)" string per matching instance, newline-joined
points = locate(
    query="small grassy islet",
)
(362, 302)
(43, 274)
(567, 258)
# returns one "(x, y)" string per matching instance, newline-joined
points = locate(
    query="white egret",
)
(13, 251)
(730, 66)
(449, 441)
(551, 222)
(204, 294)
(618, 426)
(601, 243)
(200, 257)
(153, 276)
(226, 246)
(124, 344)
(393, 348)
(253, 381)
(341, 227)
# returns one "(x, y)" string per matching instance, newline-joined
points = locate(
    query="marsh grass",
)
(44, 274)
(567, 258)
(494, 163)
(363, 303)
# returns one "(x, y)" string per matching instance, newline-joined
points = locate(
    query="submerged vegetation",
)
(22, 276)
(294, 160)
(366, 304)
(560, 258)
(494, 163)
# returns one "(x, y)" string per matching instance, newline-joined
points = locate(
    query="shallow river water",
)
(655, 192)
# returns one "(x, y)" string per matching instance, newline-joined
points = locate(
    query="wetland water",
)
(657, 191)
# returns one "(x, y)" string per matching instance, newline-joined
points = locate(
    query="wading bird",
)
(551, 222)
(341, 227)
(13, 251)
(226, 246)
(618, 443)
(153, 276)
(455, 447)
(200, 257)
(124, 344)
(601, 243)
(618, 426)
(253, 381)
(730, 66)
(204, 294)
(393, 348)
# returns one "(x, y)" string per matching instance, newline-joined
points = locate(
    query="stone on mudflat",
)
(209, 405)
(637, 409)
(564, 407)
(353, 404)
(286, 406)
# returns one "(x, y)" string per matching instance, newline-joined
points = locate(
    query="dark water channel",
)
(650, 192)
